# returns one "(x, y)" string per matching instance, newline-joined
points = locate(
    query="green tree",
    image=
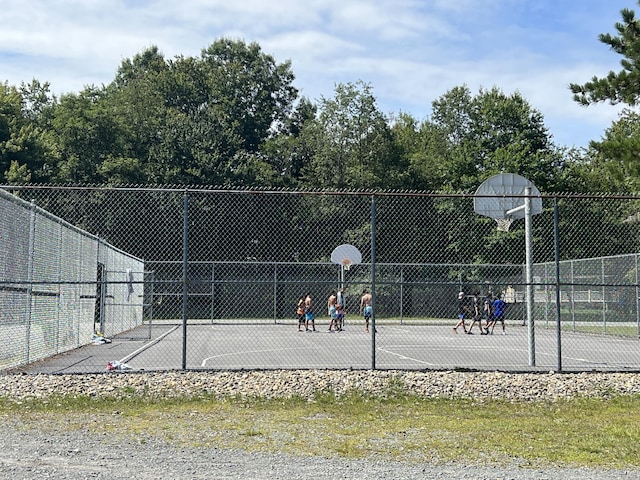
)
(622, 86)
(248, 91)
(351, 142)
(615, 158)
(10, 121)
(28, 152)
(88, 132)
(287, 151)
(421, 147)
(188, 120)
(202, 120)
(469, 138)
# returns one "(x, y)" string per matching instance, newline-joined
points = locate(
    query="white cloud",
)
(411, 51)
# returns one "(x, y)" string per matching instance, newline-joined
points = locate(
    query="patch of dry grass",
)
(579, 432)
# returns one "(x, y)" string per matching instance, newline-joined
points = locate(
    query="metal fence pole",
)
(529, 282)
(524, 295)
(151, 291)
(185, 269)
(275, 293)
(546, 295)
(573, 297)
(401, 294)
(604, 297)
(213, 290)
(30, 263)
(556, 245)
(637, 298)
(56, 347)
(373, 282)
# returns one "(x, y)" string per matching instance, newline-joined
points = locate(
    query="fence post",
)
(59, 296)
(546, 294)
(152, 278)
(373, 282)
(30, 263)
(213, 291)
(604, 297)
(529, 281)
(275, 293)
(401, 294)
(556, 244)
(573, 297)
(185, 269)
(637, 298)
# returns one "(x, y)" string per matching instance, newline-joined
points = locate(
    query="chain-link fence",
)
(224, 271)
(59, 285)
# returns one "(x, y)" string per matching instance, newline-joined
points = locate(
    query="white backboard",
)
(504, 192)
(346, 255)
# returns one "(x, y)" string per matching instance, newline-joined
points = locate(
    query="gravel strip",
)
(33, 452)
(305, 383)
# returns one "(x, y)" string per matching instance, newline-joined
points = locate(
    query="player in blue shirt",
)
(499, 308)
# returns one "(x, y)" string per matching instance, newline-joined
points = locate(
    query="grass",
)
(611, 329)
(578, 432)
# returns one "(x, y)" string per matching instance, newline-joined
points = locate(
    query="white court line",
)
(395, 328)
(583, 360)
(244, 352)
(404, 357)
(150, 344)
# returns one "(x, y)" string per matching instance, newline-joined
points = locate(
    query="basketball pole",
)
(528, 272)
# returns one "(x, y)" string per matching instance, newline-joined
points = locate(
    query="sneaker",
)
(469, 332)
(504, 333)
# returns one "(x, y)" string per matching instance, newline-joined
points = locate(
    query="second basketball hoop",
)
(501, 197)
(346, 255)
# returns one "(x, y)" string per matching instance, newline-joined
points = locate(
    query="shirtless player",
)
(366, 308)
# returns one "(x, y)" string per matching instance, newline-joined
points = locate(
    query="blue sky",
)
(410, 51)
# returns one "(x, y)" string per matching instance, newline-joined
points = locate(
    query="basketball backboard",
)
(346, 255)
(503, 193)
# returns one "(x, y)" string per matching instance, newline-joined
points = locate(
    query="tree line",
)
(233, 117)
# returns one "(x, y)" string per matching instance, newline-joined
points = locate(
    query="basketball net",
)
(346, 263)
(504, 224)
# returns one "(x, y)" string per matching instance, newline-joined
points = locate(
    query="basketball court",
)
(406, 347)
(251, 344)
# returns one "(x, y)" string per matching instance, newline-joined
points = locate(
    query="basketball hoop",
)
(346, 255)
(504, 224)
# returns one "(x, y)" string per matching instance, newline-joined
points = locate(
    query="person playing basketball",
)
(366, 308)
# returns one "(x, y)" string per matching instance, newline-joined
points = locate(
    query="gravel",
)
(32, 450)
(305, 383)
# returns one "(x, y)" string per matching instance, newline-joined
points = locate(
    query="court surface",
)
(406, 347)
